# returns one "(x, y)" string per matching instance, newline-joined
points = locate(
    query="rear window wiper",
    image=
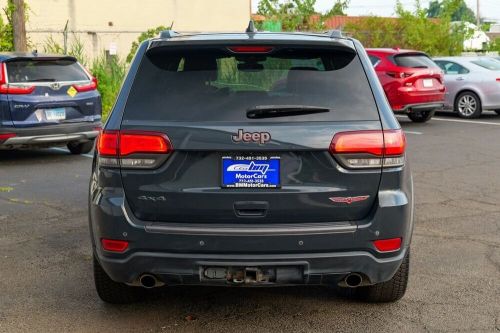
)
(42, 80)
(271, 111)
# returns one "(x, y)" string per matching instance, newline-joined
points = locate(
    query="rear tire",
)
(468, 105)
(389, 291)
(114, 292)
(497, 112)
(421, 116)
(78, 148)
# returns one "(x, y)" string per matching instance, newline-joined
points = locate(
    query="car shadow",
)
(33, 156)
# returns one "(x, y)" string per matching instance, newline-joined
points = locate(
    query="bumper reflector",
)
(113, 245)
(388, 245)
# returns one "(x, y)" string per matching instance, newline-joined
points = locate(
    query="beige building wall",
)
(114, 24)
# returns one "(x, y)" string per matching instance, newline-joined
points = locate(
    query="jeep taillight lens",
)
(369, 149)
(132, 149)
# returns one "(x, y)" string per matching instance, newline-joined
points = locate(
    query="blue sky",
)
(489, 8)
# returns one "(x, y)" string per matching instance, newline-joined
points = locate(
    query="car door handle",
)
(459, 78)
(251, 208)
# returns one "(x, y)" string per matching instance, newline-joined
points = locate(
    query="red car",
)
(413, 83)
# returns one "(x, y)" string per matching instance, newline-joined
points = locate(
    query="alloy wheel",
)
(467, 105)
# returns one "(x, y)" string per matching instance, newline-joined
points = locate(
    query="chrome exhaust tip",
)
(353, 280)
(148, 281)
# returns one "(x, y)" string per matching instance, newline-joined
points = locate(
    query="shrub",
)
(109, 70)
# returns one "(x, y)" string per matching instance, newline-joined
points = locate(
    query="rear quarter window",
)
(44, 71)
(491, 64)
(213, 84)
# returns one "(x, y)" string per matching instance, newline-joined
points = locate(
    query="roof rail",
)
(168, 34)
(334, 33)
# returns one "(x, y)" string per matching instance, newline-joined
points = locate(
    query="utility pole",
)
(19, 26)
(478, 14)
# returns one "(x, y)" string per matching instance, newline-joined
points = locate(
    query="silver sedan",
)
(472, 84)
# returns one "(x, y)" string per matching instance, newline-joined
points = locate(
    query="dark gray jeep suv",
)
(251, 159)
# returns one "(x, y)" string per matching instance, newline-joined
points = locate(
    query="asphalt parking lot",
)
(46, 280)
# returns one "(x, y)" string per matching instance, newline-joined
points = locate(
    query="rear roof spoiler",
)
(42, 57)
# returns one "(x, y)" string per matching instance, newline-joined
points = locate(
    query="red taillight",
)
(251, 49)
(149, 143)
(498, 80)
(117, 148)
(394, 143)
(369, 149)
(107, 143)
(5, 136)
(387, 245)
(86, 86)
(399, 75)
(114, 245)
(16, 89)
(369, 142)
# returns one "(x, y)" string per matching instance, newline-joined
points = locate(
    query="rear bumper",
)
(408, 98)
(315, 268)
(177, 253)
(420, 107)
(49, 135)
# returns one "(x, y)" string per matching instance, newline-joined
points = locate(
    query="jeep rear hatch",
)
(197, 142)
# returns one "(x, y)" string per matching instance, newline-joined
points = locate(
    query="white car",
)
(472, 84)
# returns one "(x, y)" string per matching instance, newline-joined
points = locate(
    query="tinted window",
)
(375, 60)
(45, 71)
(451, 68)
(491, 64)
(217, 85)
(414, 61)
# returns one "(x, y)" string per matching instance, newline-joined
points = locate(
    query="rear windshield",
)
(214, 84)
(44, 71)
(414, 61)
(491, 64)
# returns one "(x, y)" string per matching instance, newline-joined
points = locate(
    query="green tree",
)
(293, 14)
(142, 37)
(413, 30)
(339, 8)
(6, 32)
(461, 11)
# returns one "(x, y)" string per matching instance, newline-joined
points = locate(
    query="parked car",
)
(47, 100)
(412, 82)
(472, 83)
(208, 172)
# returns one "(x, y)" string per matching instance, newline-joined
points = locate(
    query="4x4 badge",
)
(349, 200)
(258, 137)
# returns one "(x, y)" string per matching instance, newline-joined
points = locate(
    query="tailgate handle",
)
(251, 208)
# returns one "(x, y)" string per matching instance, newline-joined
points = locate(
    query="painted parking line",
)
(413, 132)
(467, 121)
(459, 121)
(67, 151)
